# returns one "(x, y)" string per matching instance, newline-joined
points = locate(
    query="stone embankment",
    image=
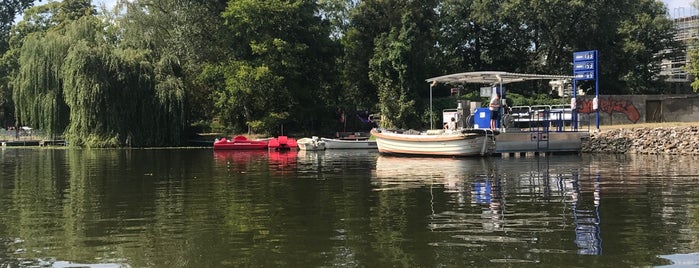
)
(683, 140)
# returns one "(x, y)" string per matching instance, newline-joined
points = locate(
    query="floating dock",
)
(539, 143)
(33, 143)
(20, 143)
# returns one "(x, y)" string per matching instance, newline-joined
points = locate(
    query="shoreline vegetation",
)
(674, 138)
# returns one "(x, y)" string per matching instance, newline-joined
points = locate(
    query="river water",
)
(343, 208)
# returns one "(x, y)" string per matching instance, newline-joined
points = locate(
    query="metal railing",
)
(544, 118)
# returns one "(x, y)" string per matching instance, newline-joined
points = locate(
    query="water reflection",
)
(587, 220)
(394, 172)
(338, 163)
(199, 208)
(279, 162)
(482, 189)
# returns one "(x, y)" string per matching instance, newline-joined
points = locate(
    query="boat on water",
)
(282, 143)
(311, 144)
(465, 142)
(350, 143)
(240, 142)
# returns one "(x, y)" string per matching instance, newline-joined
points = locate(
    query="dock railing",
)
(545, 118)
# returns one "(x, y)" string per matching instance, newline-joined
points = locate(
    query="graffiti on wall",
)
(610, 106)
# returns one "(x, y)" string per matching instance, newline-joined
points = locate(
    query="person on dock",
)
(494, 110)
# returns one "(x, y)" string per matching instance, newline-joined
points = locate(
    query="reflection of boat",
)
(311, 144)
(350, 143)
(240, 143)
(467, 142)
(283, 161)
(309, 162)
(400, 172)
(282, 143)
(238, 156)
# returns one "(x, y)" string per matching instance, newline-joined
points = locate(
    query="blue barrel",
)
(481, 119)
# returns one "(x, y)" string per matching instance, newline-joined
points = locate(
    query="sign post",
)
(585, 65)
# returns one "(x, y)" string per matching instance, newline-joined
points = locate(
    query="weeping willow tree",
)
(112, 96)
(121, 97)
(38, 90)
(170, 118)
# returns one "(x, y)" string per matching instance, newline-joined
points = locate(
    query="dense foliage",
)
(145, 72)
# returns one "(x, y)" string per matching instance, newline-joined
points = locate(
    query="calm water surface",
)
(343, 208)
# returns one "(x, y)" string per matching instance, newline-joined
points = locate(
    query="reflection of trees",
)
(389, 224)
(115, 204)
(170, 208)
(38, 188)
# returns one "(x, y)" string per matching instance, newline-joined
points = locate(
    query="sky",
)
(677, 8)
(108, 3)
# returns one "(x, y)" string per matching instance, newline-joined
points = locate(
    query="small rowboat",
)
(466, 142)
(350, 143)
(311, 144)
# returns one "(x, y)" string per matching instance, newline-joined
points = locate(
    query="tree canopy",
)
(149, 72)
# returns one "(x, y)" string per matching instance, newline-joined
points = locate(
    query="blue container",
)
(481, 118)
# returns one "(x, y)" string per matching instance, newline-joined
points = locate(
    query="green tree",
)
(290, 40)
(192, 31)
(38, 85)
(74, 80)
(8, 12)
(120, 97)
(71, 10)
(400, 61)
(8, 58)
(367, 21)
(483, 35)
(243, 92)
(644, 34)
(540, 36)
(693, 56)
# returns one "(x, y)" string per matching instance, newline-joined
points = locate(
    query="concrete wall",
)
(637, 109)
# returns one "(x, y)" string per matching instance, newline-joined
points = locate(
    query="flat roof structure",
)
(492, 77)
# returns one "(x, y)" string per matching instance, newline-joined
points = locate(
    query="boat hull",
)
(349, 143)
(311, 144)
(457, 143)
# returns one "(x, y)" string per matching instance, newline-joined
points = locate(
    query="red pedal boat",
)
(240, 143)
(282, 143)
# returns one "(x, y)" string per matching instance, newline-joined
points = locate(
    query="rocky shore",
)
(682, 140)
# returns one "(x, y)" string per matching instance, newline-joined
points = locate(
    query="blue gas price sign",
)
(584, 65)
(584, 55)
(586, 75)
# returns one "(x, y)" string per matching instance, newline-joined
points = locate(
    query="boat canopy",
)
(492, 77)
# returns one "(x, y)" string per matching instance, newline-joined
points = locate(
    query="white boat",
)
(466, 142)
(311, 144)
(350, 143)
